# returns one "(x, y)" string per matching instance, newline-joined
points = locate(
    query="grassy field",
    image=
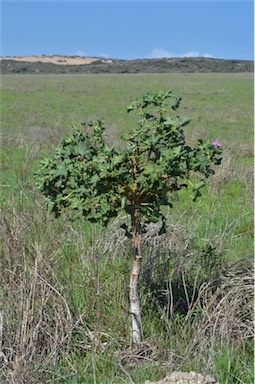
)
(64, 285)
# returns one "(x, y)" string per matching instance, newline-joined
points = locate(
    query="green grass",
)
(71, 279)
(228, 363)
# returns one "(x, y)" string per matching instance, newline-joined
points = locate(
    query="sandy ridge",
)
(60, 60)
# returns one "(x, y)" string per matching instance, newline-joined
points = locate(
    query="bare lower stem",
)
(137, 332)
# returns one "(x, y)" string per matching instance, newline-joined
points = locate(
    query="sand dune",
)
(61, 60)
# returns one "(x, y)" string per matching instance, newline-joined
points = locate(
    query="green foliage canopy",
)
(97, 181)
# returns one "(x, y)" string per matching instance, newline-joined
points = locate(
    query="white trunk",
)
(137, 332)
(135, 309)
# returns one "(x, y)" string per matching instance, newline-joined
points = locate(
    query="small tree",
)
(97, 181)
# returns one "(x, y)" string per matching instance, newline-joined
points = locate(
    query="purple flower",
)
(216, 143)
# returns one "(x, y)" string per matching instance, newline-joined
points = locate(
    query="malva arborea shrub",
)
(97, 182)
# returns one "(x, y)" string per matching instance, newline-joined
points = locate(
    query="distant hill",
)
(76, 65)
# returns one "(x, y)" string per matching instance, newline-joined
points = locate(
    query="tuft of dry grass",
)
(224, 310)
(36, 319)
(226, 173)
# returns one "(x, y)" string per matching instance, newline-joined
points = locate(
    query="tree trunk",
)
(137, 332)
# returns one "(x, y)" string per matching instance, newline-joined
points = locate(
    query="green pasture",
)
(72, 278)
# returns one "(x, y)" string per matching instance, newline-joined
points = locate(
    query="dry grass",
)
(40, 326)
(226, 310)
(37, 322)
(226, 173)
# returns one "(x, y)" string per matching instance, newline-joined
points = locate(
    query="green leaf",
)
(123, 202)
(118, 160)
(94, 179)
(61, 171)
(150, 168)
(83, 149)
(176, 104)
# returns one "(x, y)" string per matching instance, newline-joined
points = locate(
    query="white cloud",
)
(191, 54)
(104, 55)
(207, 55)
(159, 53)
(80, 53)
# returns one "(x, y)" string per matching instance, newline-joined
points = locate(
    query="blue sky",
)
(128, 29)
